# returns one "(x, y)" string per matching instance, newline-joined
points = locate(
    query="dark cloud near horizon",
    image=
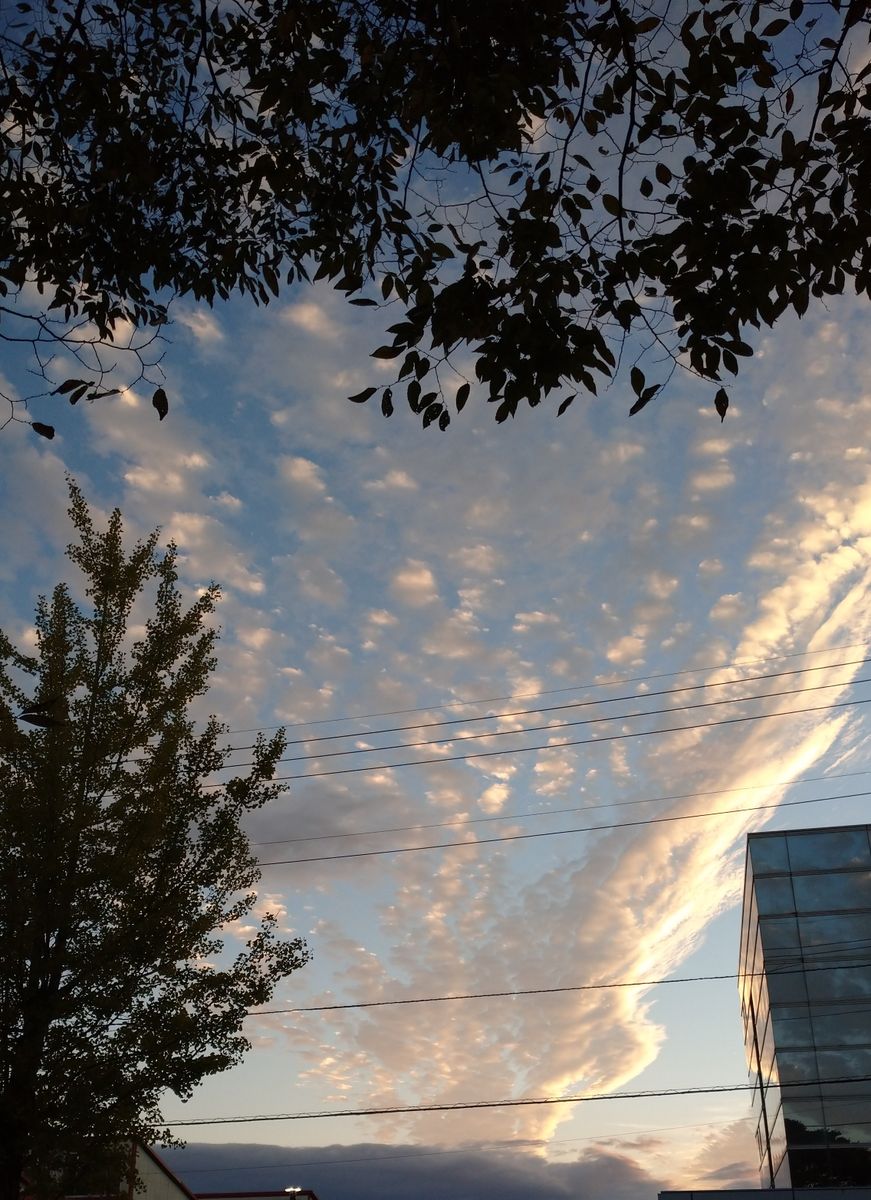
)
(369, 1171)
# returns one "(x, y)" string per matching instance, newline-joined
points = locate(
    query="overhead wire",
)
(858, 943)
(572, 704)
(552, 812)
(543, 833)
(482, 1149)
(563, 745)
(560, 725)
(749, 662)
(524, 1102)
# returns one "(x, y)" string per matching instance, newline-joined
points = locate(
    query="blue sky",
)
(370, 568)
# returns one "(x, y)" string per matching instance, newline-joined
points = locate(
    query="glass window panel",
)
(799, 1066)
(835, 1025)
(829, 848)
(779, 933)
(774, 895)
(847, 1111)
(792, 1026)
(844, 934)
(839, 983)
(848, 1167)
(788, 987)
(856, 1134)
(805, 1113)
(851, 1062)
(819, 893)
(769, 854)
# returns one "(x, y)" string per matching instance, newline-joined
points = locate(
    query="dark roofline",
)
(158, 1162)
(766, 833)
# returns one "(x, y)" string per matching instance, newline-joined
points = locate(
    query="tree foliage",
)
(525, 185)
(119, 870)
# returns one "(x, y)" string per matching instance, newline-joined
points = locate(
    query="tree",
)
(527, 185)
(119, 869)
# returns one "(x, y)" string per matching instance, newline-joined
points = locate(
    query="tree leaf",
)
(721, 403)
(160, 403)
(387, 352)
(387, 403)
(362, 397)
(636, 377)
(46, 431)
(462, 396)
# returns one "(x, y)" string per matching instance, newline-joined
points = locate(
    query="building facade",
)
(805, 986)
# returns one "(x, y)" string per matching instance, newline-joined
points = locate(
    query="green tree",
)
(523, 184)
(119, 869)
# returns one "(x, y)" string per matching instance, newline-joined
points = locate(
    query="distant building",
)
(805, 985)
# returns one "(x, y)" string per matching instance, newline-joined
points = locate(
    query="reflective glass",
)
(819, 893)
(852, 1062)
(805, 1113)
(787, 987)
(847, 1111)
(799, 1066)
(840, 983)
(792, 1026)
(779, 933)
(774, 895)
(768, 853)
(829, 848)
(836, 1025)
(843, 934)
(856, 1134)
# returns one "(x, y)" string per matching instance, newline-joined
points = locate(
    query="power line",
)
(526, 712)
(582, 987)
(559, 725)
(552, 812)
(523, 837)
(621, 1136)
(526, 1102)
(611, 737)
(397, 712)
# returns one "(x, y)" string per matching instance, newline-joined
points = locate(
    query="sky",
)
(381, 578)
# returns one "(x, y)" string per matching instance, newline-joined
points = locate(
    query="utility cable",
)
(526, 712)
(397, 712)
(560, 725)
(553, 812)
(581, 987)
(610, 737)
(543, 833)
(526, 1102)
(485, 1148)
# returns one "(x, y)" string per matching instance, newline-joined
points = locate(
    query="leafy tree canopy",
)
(119, 869)
(523, 184)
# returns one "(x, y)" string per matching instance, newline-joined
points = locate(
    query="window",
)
(823, 848)
(834, 890)
(774, 895)
(768, 854)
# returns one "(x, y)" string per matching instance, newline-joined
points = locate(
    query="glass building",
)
(805, 984)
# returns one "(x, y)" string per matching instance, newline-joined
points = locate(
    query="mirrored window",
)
(778, 933)
(768, 853)
(822, 848)
(837, 889)
(851, 981)
(774, 895)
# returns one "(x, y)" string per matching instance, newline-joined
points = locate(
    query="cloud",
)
(369, 1171)
(414, 584)
(311, 317)
(303, 475)
(202, 324)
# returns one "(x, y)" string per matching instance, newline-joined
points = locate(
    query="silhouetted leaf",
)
(721, 403)
(462, 396)
(160, 402)
(387, 403)
(362, 397)
(46, 431)
(636, 377)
